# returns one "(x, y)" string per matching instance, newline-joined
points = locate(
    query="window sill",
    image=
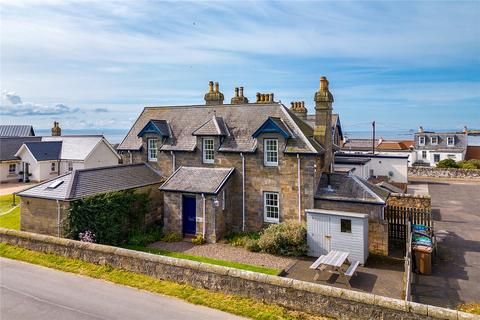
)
(271, 221)
(152, 160)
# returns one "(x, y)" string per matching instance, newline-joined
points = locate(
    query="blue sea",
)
(117, 135)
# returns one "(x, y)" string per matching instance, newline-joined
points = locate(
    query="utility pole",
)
(373, 138)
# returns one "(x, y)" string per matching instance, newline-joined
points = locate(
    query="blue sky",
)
(96, 64)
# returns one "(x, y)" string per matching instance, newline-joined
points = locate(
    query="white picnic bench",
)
(335, 262)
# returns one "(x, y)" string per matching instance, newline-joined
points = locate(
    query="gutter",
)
(173, 161)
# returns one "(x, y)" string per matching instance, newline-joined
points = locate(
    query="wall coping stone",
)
(416, 309)
(409, 195)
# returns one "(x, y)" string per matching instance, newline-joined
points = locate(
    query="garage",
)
(337, 230)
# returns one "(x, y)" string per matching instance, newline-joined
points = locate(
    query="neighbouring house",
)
(55, 155)
(350, 145)
(43, 207)
(16, 130)
(473, 152)
(397, 147)
(10, 164)
(431, 147)
(388, 167)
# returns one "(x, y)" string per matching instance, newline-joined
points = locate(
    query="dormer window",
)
(270, 151)
(434, 140)
(421, 141)
(152, 149)
(208, 151)
(450, 141)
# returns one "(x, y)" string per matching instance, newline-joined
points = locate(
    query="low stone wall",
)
(422, 202)
(294, 294)
(449, 173)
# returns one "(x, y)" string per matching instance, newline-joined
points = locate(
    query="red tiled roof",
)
(395, 145)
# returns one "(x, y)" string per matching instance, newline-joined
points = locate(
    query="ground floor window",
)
(53, 166)
(271, 207)
(346, 225)
(12, 168)
(424, 154)
(451, 156)
(436, 157)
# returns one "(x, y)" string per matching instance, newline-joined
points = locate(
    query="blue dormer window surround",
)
(157, 127)
(273, 125)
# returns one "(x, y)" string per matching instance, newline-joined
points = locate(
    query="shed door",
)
(319, 237)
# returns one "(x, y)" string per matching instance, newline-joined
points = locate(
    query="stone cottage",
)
(237, 166)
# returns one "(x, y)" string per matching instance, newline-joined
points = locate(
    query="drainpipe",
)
(130, 156)
(243, 191)
(204, 214)
(173, 161)
(58, 218)
(299, 191)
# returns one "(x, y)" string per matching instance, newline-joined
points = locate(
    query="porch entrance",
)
(189, 215)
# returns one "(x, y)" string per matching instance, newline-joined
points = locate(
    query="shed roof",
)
(348, 187)
(86, 182)
(351, 160)
(10, 145)
(197, 180)
(44, 151)
(16, 130)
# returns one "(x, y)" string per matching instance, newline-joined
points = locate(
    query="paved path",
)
(33, 292)
(456, 273)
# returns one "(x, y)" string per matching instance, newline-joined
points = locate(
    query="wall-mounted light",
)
(216, 203)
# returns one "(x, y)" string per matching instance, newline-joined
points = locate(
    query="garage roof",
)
(197, 180)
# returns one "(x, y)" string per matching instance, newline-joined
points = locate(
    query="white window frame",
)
(439, 157)
(420, 143)
(424, 154)
(10, 171)
(269, 153)
(152, 149)
(206, 152)
(53, 166)
(448, 141)
(432, 142)
(268, 207)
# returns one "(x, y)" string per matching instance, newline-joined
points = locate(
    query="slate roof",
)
(389, 187)
(311, 120)
(240, 120)
(359, 144)
(213, 127)
(43, 151)
(10, 145)
(86, 182)
(77, 147)
(348, 187)
(16, 130)
(460, 142)
(197, 180)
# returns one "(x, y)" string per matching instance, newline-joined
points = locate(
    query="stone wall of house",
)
(294, 294)
(258, 179)
(449, 173)
(41, 215)
(422, 202)
(377, 226)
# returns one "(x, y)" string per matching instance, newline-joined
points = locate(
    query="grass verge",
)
(473, 307)
(229, 303)
(217, 262)
(10, 220)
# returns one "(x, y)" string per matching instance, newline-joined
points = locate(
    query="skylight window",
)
(55, 184)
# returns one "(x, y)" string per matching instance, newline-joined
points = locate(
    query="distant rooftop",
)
(16, 130)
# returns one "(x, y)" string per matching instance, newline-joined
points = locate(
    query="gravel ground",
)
(227, 252)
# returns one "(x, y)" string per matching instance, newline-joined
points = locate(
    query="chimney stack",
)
(323, 122)
(465, 129)
(238, 98)
(298, 108)
(56, 130)
(213, 97)
(265, 97)
(420, 129)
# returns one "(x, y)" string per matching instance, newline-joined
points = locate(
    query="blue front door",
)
(188, 213)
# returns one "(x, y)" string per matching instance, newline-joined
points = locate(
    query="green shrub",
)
(111, 217)
(447, 163)
(198, 240)
(287, 239)
(172, 237)
(239, 239)
(467, 165)
(252, 245)
(143, 238)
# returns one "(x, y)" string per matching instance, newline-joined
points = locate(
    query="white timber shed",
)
(337, 230)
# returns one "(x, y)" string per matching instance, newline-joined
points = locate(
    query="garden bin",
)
(423, 259)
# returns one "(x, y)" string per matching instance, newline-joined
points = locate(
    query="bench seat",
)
(352, 268)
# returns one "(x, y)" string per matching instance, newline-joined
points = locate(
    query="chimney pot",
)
(241, 92)
(216, 87)
(210, 86)
(236, 91)
(292, 105)
(323, 83)
(303, 104)
(271, 97)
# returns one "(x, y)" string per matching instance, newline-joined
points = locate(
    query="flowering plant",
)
(87, 236)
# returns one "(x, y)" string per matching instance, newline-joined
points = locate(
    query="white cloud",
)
(12, 105)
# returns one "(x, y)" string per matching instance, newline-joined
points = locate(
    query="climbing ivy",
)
(111, 217)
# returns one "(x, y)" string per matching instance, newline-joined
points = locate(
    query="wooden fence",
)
(398, 218)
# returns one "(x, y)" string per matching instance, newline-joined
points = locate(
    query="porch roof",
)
(197, 180)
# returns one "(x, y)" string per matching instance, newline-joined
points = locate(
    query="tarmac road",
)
(28, 291)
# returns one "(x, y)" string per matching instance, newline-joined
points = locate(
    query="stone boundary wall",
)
(422, 202)
(450, 173)
(294, 294)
